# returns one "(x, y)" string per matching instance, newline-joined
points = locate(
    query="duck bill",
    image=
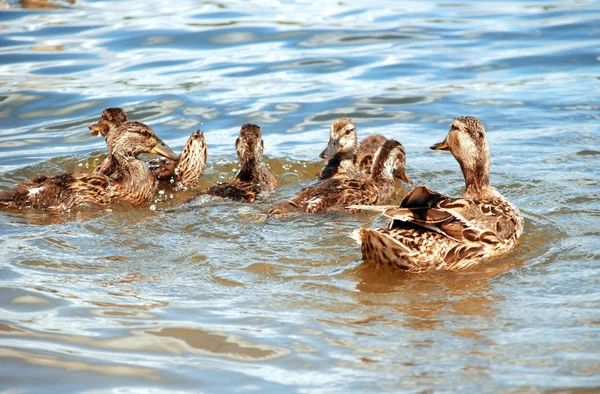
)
(330, 151)
(440, 146)
(96, 128)
(163, 150)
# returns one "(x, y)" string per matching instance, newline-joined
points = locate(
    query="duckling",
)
(340, 151)
(253, 178)
(430, 231)
(336, 193)
(132, 183)
(186, 169)
(366, 152)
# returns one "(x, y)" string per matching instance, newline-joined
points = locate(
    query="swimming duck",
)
(132, 181)
(430, 231)
(340, 151)
(253, 178)
(187, 169)
(366, 151)
(336, 193)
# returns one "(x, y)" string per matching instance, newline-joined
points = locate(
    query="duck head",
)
(390, 162)
(249, 145)
(342, 139)
(111, 119)
(134, 138)
(467, 142)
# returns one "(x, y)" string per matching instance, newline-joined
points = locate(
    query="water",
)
(218, 299)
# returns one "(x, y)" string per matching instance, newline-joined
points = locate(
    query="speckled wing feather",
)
(467, 221)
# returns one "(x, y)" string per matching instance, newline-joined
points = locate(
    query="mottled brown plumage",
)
(336, 193)
(366, 152)
(131, 180)
(188, 169)
(430, 231)
(253, 178)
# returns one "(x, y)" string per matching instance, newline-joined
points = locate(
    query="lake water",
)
(220, 298)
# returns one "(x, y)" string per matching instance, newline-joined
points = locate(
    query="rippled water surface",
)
(222, 299)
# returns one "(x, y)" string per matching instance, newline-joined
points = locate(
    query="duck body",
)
(252, 179)
(430, 231)
(334, 195)
(337, 193)
(60, 192)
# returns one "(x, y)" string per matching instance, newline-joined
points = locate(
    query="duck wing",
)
(238, 191)
(482, 222)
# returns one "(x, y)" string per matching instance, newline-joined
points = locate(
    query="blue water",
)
(218, 299)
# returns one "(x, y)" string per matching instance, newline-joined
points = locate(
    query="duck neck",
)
(248, 169)
(382, 171)
(477, 181)
(133, 175)
(343, 162)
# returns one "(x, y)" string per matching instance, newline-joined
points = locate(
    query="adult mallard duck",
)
(131, 182)
(336, 193)
(252, 178)
(187, 169)
(430, 231)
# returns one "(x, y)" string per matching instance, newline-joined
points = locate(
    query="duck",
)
(186, 170)
(131, 181)
(345, 155)
(341, 150)
(335, 194)
(366, 151)
(110, 120)
(253, 178)
(430, 231)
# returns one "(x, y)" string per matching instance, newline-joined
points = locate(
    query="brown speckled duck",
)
(132, 182)
(336, 194)
(253, 178)
(187, 169)
(346, 157)
(430, 231)
(340, 151)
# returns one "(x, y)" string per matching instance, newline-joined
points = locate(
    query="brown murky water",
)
(220, 298)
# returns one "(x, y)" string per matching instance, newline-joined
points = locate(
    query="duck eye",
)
(348, 131)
